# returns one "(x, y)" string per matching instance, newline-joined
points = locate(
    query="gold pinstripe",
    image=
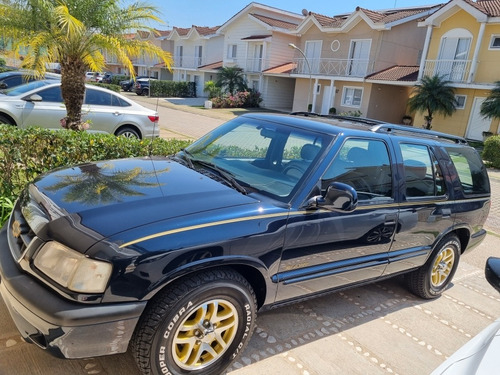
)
(283, 214)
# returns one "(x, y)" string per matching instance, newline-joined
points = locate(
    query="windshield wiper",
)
(186, 157)
(223, 173)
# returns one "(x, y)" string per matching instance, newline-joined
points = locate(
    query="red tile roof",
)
(215, 65)
(489, 7)
(382, 17)
(400, 73)
(283, 68)
(275, 22)
(326, 21)
(205, 30)
(253, 37)
(181, 30)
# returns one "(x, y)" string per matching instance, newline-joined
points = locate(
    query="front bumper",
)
(65, 328)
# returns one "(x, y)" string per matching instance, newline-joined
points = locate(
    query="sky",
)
(185, 13)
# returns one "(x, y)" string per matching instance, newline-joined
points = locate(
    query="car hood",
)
(113, 196)
(479, 356)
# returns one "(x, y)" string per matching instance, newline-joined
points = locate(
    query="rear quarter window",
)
(470, 169)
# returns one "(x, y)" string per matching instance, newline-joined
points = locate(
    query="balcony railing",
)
(189, 62)
(450, 70)
(334, 67)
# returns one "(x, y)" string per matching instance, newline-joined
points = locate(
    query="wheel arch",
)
(9, 118)
(251, 272)
(129, 126)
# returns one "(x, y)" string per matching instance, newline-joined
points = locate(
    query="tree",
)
(490, 108)
(75, 33)
(435, 96)
(232, 79)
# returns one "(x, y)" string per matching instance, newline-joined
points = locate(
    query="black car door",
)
(425, 209)
(325, 249)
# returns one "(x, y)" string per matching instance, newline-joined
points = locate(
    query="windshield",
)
(19, 90)
(262, 156)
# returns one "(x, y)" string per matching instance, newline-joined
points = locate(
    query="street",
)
(375, 329)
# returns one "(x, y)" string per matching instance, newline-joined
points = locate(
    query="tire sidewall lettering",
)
(248, 325)
(162, 353)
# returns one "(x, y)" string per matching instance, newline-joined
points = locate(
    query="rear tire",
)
(430, 280)
(197, 326)
(128, 132)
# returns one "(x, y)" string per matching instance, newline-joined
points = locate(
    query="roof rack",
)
(380, 126)
(388, 128)
(359, 120)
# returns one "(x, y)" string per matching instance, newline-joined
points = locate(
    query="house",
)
(197, 54)
(364, 62)
(257, 40)
(462, 45)
(144, 65)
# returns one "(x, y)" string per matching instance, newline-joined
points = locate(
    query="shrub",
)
(109, 86)
(170, 89)
(26, 153)
(117, 78)
(491, 151)
(242, 99)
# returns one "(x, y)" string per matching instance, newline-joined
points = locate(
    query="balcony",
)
(450, 70)
(189, 62)
(334, 67)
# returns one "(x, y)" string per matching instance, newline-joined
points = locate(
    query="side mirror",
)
(492, 272)
(338, 197)
(33, 98)
(3, 85)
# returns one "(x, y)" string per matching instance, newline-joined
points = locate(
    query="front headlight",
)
(72, 269)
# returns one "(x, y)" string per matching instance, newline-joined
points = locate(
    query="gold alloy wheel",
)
(205, 334)
(442, 266)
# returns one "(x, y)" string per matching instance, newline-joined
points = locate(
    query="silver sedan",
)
(40, 103)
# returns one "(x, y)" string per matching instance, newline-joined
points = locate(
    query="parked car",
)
(173, 256)
(479, 356)
(107, 78)
(93, 76)
(40, 103)
(128, 84)
(141, 86)
(18, 77)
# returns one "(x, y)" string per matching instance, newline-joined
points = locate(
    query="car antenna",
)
(155, 123)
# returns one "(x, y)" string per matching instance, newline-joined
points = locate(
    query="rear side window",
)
(423, 174)
(471, 170)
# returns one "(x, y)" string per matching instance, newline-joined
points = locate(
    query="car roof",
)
(339, 124)
(11, 73)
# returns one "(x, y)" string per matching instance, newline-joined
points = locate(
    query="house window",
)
(495, 42)
(231, 51)
(351, 97)
(198, 54)
(179, 53)
(460, 101)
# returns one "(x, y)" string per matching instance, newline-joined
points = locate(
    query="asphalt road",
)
(376, 329)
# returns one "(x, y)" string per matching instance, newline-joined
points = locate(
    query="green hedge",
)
(169, 89)
(491, 151)
(25, 153)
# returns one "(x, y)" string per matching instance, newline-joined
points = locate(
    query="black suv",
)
(175, 255)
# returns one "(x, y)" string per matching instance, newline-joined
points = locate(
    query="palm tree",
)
(232, 79)
(435, 96)
(75, 33)
(490, 108)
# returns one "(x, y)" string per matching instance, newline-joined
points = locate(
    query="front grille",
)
(20, 234)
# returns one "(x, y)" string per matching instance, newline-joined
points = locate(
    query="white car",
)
(40, 103)
(481, 355)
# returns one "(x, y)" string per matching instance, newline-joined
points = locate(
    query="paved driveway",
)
(376, 329)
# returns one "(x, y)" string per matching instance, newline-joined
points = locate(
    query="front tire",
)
(430, 280)
(197, 326)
